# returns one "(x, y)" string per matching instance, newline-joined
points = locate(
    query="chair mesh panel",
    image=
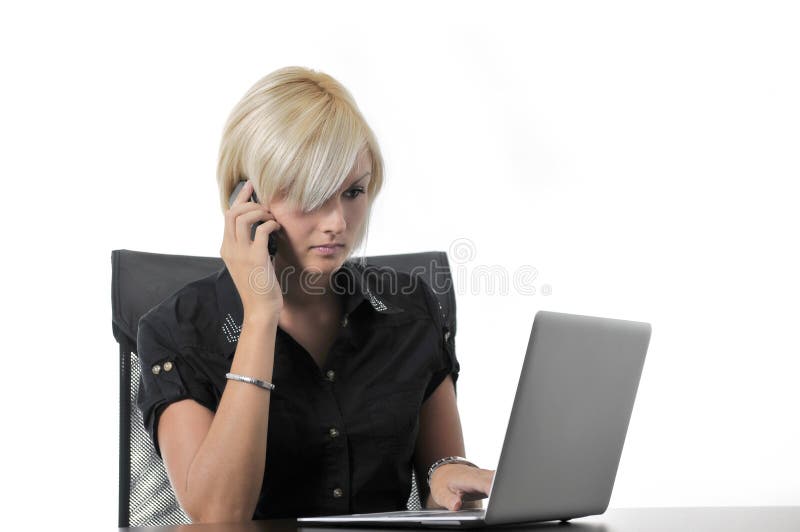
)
(152, 501)
(413, 501)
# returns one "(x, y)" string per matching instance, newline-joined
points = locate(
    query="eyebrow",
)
(360, 178)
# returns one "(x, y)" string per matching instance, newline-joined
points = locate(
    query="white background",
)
(642, 157)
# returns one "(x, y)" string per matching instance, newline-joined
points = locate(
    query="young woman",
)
(301, 385)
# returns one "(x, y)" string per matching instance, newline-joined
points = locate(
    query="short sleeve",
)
(447, 362)
(166, 376)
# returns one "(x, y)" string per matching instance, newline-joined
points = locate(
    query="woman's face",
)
(336, 222)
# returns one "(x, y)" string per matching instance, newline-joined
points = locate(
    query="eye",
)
(355, 192)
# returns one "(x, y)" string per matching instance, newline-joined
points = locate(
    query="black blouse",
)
(340, 439)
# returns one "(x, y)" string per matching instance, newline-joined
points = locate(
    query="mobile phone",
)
(272, 247)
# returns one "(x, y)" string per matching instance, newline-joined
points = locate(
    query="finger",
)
(233, 213)
(487, 485)
(474, 491)
(245, 221)
(455, 503)
(478, 488)
(263, 231)
(474, 488)
(244, 193)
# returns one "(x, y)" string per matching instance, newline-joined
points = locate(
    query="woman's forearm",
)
(225, 477)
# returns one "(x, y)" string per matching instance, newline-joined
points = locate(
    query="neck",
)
(306, 291)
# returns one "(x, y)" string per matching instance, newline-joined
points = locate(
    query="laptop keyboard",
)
(428, 513)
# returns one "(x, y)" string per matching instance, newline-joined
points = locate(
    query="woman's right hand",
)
(248, 261)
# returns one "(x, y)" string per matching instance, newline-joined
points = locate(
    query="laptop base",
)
(468, 518)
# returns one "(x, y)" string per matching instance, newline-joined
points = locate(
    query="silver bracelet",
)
(447, 460)
(261, 384)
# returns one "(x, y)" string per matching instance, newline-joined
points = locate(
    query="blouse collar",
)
(358, 284)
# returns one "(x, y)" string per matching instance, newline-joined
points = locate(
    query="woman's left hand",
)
(452, 484)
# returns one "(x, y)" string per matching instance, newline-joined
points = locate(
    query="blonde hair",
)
(296, 134)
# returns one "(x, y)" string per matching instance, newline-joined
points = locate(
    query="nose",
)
(332, 217)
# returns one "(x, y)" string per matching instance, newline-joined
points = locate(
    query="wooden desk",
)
(705, 519)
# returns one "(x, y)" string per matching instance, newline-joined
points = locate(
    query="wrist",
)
(262, 317)
(445, 461)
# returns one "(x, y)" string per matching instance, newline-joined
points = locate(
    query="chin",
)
(324, 264)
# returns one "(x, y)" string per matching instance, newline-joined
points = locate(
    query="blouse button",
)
(168, 366)
(337, 492)
(156, 369)
(330, 375)
(333, 432)
(344, 321)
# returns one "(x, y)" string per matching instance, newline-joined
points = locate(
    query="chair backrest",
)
(139, 281)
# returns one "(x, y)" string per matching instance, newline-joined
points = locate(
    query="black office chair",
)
(139, 281)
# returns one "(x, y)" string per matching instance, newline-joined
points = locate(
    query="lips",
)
(329, 246)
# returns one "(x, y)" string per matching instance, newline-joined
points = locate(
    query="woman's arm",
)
(440, 435)
(216, 462)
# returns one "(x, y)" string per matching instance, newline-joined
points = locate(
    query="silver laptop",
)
(565, 433)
